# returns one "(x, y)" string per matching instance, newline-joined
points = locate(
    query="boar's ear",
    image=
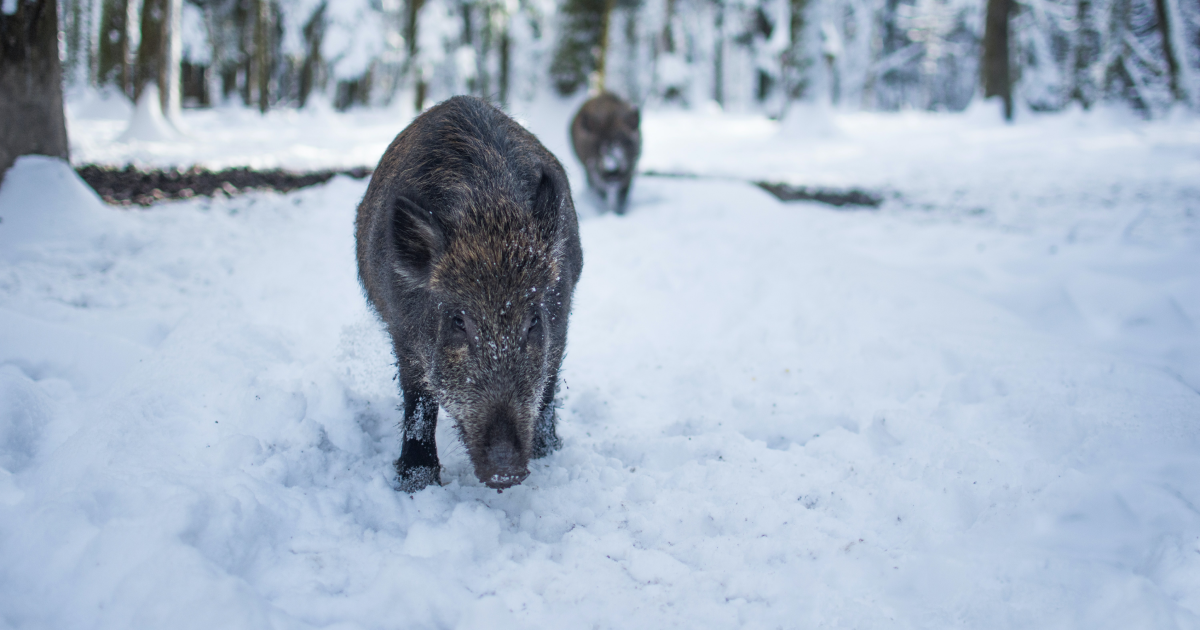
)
(546, 205)
(633, 118)
(417, 240)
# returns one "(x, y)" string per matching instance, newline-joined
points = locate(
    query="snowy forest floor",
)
(974, 407)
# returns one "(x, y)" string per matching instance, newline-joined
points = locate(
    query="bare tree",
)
(261, 67)
(412, 14)
(158, 53)
(582, 46)
(310, 72)
(113, 55)
(31, 110)
(997, 80)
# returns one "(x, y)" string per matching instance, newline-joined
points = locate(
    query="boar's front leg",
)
(622, 198)
(545, 438)
(418, 465)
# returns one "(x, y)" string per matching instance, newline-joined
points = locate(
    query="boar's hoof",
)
(416, 478)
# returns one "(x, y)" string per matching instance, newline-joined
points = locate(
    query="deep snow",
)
(976, 407)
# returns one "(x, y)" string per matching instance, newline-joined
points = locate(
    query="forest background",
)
(743, 55)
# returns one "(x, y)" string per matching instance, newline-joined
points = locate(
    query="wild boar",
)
(468, 249)
(606, 136)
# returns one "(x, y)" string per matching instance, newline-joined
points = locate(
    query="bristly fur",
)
(468, 248)
(607, 129)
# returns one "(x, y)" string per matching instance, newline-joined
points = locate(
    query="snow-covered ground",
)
(976, 407)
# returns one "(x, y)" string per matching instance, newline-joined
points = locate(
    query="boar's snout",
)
(505, 462)
(613, 163)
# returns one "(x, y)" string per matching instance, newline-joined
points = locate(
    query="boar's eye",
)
(535, 328)
(463, 328)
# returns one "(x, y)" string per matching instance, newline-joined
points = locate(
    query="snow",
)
(148, 124)
(975, 407)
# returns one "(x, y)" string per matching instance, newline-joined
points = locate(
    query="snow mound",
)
(148, 123)
(809, 120)
(43, 202)
(105, 103)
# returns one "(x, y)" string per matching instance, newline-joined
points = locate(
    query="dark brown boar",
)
(468, 248)
(606, 136)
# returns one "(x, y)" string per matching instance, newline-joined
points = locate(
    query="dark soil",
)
(129, 185)
(838, 197)
(832, 196)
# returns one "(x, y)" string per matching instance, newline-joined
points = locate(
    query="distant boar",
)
(607, 140)
(468, 248)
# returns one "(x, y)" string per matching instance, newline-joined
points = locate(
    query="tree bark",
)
(997, 79)
(31, 110)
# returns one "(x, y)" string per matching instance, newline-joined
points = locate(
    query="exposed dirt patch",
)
(832, 196)
(133, 186)
(838, 197)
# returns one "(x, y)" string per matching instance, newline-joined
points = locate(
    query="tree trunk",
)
(411, 24)
(152, 49)
(1164, 27)
(793, 60)
(1086, 51)
(171, 74)
(158, 55)
(31, 111)
(113, 64)
(262, 53)
(314, 33)
(997, 80)
(602, 46)
(668, 32)
(719, 54)
(505, 63)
